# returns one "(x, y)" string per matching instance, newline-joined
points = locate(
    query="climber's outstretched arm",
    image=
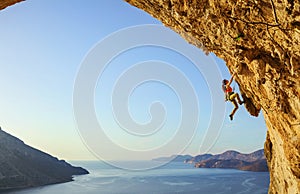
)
(231, 79)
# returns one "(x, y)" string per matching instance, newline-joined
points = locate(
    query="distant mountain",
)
(257, 166)
(174, 158)
(22, 166)
(228, 155)
(257, 155)
(198, 158)
(255, 161)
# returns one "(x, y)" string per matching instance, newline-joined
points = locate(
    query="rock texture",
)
(6, 3)
(22, 166)
(258, 39)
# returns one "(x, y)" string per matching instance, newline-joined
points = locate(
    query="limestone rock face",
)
(260, 41)
(6, 3)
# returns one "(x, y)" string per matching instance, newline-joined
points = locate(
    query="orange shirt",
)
(228, 89)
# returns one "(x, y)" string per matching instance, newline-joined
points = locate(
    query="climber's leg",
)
(236, 106)
(239, 99)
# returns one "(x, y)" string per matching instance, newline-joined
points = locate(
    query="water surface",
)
(172, 178)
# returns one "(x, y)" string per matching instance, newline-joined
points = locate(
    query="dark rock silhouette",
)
(22, 166)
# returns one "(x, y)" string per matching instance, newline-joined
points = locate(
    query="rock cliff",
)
(22, 166)
(260, 41)
(6, 3)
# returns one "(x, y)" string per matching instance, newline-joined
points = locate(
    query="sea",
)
(174, 177)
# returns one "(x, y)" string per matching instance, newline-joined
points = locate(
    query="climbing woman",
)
(231, 96)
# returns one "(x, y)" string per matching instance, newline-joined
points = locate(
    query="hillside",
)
(255, 161)
(22, 166)
(257, 155)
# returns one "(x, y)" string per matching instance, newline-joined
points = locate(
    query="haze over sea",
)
(174, 177)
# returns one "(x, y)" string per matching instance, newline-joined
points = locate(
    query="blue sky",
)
(43, 45)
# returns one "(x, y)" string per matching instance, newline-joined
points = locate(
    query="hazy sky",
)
(44, 45)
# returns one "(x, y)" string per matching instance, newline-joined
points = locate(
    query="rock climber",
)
(231, 96)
